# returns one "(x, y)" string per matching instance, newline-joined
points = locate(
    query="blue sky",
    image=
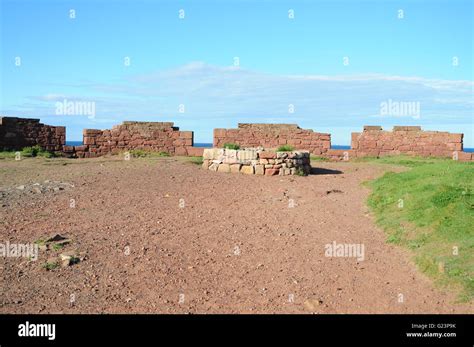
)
(282, 62)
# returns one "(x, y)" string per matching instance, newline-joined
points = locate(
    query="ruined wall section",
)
(273, 136)
(17, 133)
(150, 136)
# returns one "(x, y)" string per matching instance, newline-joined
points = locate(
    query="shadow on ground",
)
(321, 171)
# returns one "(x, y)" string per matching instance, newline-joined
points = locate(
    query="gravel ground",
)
(164, 236)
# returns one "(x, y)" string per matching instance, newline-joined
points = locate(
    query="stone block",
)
(267, 155)
(213, 167)
(181, 151)
(244, 155)
(195, 151)
(271, 172)
(247, 169)
(259, 169)
(464, 156)
(213, 153)
(235, 168)
(372, 127)
(223, 168)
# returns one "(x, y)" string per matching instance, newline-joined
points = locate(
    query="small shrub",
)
(57, 246)
(231, 146)
(50, 265)
(196, 160)
(139, 153)
(36, 151)
(285, 148)
(40, 242)
(29, 151)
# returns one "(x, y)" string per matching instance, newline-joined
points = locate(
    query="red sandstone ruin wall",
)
(411, 140)
(17, 133)
(273, 136)
(152, 136)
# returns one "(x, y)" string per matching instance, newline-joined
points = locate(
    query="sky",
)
(331, 66)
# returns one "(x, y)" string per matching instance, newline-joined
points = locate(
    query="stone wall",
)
(17, 133)
(411, 140)
(254, 161)
(151, 136)
(273, 136)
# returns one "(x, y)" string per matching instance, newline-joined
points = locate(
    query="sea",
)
(209, 145)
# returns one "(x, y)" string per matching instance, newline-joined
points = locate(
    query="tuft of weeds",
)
(231, 146)
(285, 148)
(140, 153)
(51, 265)
(315, 158)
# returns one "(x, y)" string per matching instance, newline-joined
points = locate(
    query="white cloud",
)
(221, 96)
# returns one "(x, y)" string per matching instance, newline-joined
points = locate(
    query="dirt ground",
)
(164, 236)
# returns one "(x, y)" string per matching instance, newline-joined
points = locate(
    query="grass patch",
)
(402, 160)
(285, 148)
(51, 265)
(28, 152)
(58, 246)
(36, 151)
(40, 242)
(231, 146)
(429, 209)
(192, 160)
(140, 153)
(7, 154)
(315, 158)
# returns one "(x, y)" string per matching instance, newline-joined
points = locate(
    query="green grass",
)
(36, 151)
(192, 160)
(402, 160)
(28, 152)
(435, 217)
(140, 153)
(315, 158)
(57, 246)
(231, 146)
(285, 148)
(50, 265)
(40, 242)
(7, 154)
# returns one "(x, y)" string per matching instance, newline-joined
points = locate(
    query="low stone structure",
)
(151, 136)
(273, 136)
(411, 140)
(256, 161)
(17, 133)
(407, 140)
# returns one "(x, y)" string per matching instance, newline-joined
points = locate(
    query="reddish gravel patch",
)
(231, 245)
